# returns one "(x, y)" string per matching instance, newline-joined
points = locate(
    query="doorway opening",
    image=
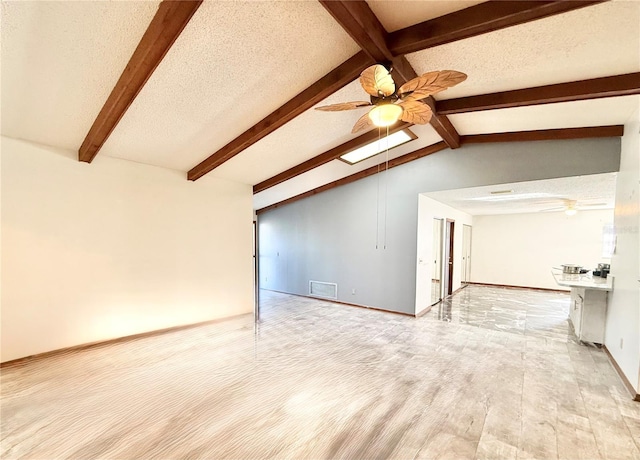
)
(256, 276)
(466, 253)
(448, 256)
(436, 269)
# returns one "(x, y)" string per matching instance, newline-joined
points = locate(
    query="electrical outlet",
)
(353, 292)
(621, 342)
(266, 278)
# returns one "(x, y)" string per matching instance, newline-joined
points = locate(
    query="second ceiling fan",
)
(390, 105)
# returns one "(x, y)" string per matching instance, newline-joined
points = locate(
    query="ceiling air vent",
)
(322, 289)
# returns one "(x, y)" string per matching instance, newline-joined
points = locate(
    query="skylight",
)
(378, 146)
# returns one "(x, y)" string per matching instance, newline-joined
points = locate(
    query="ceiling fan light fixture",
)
(385, 114)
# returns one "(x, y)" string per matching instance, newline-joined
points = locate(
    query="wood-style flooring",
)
(495, 373)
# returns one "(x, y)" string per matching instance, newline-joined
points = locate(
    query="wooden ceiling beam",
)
(475, 20)
(545, 135)
(165, 27)
(423, 152)
(326, 157)
(618, 85)
(342, 75)
(519, 136)
(364, 27)
(442, 125)
(357, 19)
(403, 70)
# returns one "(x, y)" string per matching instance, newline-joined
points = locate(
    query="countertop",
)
(583, 281)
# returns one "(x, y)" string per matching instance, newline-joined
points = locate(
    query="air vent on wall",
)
(322, 289)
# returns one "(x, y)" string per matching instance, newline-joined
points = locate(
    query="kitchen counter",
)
(588, 309)
(583, 281)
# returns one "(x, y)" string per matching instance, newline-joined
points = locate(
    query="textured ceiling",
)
(398, 14)
(306, 136)
(593, 112)
(591, 42)
(234, 63)
(60, 61)
(337, 169)
(595, 191)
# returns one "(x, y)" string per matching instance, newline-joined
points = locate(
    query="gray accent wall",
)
(332, 236)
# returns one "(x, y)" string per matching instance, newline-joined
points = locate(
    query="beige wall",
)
(94, 252)
(520, 249)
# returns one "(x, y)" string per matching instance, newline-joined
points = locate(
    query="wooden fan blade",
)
(430, 83)
(363, 122)
(344, 106)
(376, 80)
(415, 112)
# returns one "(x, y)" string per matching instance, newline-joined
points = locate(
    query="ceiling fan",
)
(390, 105)
(571, 207)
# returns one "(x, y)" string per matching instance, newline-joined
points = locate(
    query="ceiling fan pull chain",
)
(378, 199)
(386, 186)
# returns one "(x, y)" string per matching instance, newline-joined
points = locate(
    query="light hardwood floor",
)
(493, 374)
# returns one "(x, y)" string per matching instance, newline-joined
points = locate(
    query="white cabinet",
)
(588, 308)
(587, 313)
(575, 310)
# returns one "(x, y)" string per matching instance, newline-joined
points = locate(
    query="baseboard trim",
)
(632, 391)
(509, 286)
(425, 311)
(459, 289)
(428, 309)
(340, 302)
(101, 343)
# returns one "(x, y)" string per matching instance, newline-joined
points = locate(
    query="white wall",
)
(623, 324)
(520, 249)
(94, 252)
(429, 209)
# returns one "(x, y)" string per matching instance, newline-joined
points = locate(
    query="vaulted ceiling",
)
(227, 89)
